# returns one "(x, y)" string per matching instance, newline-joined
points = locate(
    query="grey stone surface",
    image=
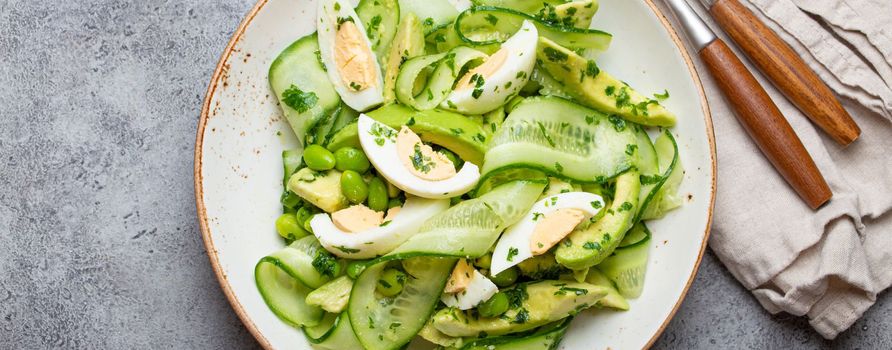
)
(99, 243)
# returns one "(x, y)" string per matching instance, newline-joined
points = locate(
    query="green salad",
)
(469, 177)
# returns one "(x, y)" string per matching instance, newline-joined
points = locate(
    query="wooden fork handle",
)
(786, 70)
(765, 124)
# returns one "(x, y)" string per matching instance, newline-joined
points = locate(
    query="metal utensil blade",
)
(697, 32)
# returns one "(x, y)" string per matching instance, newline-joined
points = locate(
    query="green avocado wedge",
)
(592, 87)
(586, 247)
(531, 305)
(453, 131)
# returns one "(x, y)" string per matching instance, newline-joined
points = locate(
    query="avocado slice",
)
(332, 296)
(578, 13)
(541, 267)
(597, 89)
(321, 188)
(407, 43)
(531, 305)
(586, 247)
(453, 131)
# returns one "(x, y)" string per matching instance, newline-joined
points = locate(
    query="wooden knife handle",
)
(766, 125)
(786, 70)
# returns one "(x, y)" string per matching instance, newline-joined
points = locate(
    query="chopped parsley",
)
(592, 246)
(554, 55)
(428, 22)
(591, 69)
(522, 316)
(382, 133)
(662, 96)
(626, 206)
(457, 131)
(491, 19)
(536, 216)
(374, 24)
(516, 296)
(325, 263)
(512, 252)
(618, 123)
(480, 137)
(630, 149)
(355, 86)
(610, 90)
(558, 167)
(299, 100)
(319, 59)
(478, 82)
(596, 204)
(385, 223)
(421, 162)
(411, 121)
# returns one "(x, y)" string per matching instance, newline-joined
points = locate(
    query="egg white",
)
(518, 236)
(378, 240)
(326, 27)
(386, 160)
(479, 289)
(521, 48)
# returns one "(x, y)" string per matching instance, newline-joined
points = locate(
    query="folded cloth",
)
(827, 264)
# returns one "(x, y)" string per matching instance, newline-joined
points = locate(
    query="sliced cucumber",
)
(380, 18)
(586, 247)
(291, 161)
(628, 265)
(470, 228)
(321, 331)
(546, 337)
(651, 178)
(407, 43)
(299, 68)
(448, 67)
(636, 234)
(665, 197)
(560, 138)
(339, 335)
(453, 131)
(298, 259)
(433, 13)
(284, 294)
(613, 299)
(390, 323)
(525, 6)
(343, 116)
(507, 21)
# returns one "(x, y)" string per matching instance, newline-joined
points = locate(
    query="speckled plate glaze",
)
(238, 168)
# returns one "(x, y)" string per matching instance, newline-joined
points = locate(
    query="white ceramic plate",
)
(238, 168)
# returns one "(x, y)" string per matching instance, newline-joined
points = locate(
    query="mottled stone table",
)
(99, 243)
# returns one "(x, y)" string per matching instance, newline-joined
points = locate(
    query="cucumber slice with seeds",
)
(284, 294)
(561, 138)
(628, 265)
(390, 323)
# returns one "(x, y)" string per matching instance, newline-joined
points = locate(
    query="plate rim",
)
(201, 210)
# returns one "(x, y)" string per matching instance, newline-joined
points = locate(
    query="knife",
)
(755, 110)
(785, 69)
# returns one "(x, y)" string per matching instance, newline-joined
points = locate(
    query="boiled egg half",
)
(467, 287)
(348, 57)
(409, 164)
(499, 78)
(547, 223)
(358, 232)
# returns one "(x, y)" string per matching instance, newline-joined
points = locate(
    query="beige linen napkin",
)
(827, 264)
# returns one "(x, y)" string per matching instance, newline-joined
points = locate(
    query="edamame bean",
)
(319, 158)
(495, 306)
(354, 187)
(391, 282)
(289, 228)
(483, 262)
(505, 278)
(349, 158)
(377, 194)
